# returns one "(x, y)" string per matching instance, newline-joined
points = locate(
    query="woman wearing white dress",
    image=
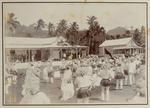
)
(32, 76)
(35, 96)
(67, 86)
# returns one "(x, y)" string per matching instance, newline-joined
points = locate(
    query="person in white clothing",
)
(48, 73)
(125, 65)
(67, 86)
(132, 71)
(83, 84)
(96, 78)
(32, 76)
(119, 77)
(105, 83)
(35, 96)
(8, 78)
(13, 72)
(45, 74)
(140, 89)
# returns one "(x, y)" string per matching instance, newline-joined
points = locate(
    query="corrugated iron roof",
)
(116, 42)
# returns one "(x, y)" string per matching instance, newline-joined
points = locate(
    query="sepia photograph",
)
(79, 53)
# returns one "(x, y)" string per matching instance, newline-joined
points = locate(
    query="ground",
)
(54, 93)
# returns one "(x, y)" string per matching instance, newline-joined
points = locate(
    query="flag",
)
(108, 53)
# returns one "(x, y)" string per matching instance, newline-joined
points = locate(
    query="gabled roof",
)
(116, 42)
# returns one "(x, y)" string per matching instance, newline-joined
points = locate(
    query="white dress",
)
(30, 79)
(96, 80)
(45, 74)
(67, 86)
(39, 98)
(132, 68)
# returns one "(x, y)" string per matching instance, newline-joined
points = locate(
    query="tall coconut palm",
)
(95, 34)
(12, 22)
(91, 32)
(62, 27)
(138, 38)
(40, 24)
(73, 32)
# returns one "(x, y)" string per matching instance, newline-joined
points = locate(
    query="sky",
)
(108, 15)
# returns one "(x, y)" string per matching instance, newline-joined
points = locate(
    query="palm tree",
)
(95, 34)
(62, 27)
(93, 28)
(12, 22)
(91, 20)
(40, 24)
(138, 38)
(72, 33)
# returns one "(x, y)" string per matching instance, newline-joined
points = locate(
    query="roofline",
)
(114, 40)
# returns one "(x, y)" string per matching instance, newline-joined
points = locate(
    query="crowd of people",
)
(79, 77)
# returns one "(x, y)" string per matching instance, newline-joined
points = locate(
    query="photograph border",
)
(73, 104)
